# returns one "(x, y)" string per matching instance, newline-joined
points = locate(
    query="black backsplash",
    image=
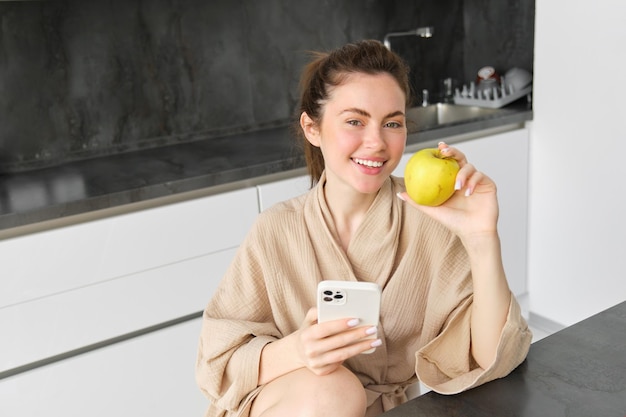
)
(81, 79)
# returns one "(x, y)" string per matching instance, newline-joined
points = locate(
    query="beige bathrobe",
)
(421, 267)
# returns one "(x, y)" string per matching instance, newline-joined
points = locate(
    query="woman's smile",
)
(369, 166)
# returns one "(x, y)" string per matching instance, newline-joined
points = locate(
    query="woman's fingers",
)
(468, 176)
(332, 351)
(331, 327)
(335, 334)
(334, 358)
(452, 152)
(324, 346)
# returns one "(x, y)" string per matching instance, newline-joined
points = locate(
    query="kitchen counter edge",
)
(166, 180)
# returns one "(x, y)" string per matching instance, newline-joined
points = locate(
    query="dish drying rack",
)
(494, 97)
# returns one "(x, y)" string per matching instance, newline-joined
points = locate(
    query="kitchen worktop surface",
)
(577, 372)
(217, 164)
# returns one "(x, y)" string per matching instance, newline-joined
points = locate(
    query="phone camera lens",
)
(338, 296)
(328, 299)
(328, 292)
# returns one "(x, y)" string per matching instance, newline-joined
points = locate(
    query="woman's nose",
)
(374, 139)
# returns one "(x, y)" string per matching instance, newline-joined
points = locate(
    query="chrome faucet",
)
(424, 98)
(423, 32)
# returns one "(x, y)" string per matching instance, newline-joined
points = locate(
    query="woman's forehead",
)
(360, 86)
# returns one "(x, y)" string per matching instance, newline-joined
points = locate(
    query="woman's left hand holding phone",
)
(323, 347)
(320, 347)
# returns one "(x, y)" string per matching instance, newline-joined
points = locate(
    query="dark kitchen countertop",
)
(213, 165)
(577, 372)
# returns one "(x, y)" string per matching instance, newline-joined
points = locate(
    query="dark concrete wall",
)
(79, 79)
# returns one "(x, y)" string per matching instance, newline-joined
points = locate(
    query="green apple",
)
(429, 177)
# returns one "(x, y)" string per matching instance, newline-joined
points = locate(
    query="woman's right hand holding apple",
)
(472, 210)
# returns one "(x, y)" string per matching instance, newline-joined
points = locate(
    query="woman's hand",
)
(319, 347)
(473, 208)
(323, 347)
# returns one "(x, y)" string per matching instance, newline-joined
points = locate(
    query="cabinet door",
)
(275, 192)
(151, 375)
(504, 158)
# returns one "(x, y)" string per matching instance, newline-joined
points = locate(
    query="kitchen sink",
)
(437, 115)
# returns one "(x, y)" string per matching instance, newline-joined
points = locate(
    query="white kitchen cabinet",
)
(277, 191)
(70, 287)
(60, 323)
(151, 375)
(504, 158)
(75, 256)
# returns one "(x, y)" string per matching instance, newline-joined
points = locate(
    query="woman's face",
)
(363, 132)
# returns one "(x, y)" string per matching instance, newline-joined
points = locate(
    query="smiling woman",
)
(447, 316)
(328, 71)
(354, 141)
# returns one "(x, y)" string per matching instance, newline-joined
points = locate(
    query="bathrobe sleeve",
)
(445, 363)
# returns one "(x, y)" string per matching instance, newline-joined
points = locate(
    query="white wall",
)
(577, 223)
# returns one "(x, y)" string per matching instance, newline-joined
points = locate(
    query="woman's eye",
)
(354, 122)
(394, 125)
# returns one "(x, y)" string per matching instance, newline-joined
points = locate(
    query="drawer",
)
(51, 262)
(59, 323)
(151, 375)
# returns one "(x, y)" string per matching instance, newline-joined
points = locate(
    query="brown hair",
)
(327, 70)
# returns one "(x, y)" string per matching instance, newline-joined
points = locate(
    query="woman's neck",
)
(348, 208)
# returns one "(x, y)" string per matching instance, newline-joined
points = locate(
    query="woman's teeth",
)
(372, 164)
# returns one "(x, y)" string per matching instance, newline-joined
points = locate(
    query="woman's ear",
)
(310, 128)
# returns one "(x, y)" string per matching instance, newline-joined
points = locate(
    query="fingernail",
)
(468, 192)
(441, 143)
(371, 330)
(377, 343)
(457, 185)
(353, 322)
(400, 196)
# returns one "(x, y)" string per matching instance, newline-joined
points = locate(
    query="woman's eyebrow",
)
(356, 110)
(366, 114)
(394, 114)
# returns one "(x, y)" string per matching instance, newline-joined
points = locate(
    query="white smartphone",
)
(348, 299)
